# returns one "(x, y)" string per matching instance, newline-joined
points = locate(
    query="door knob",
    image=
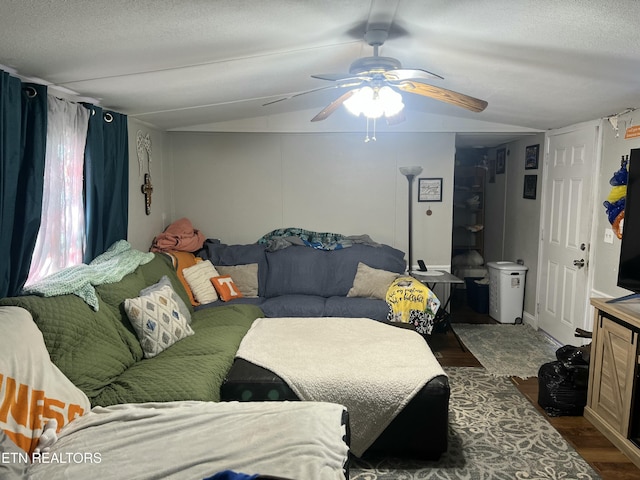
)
(578, 263)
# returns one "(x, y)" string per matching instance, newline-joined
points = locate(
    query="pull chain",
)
(367, 139)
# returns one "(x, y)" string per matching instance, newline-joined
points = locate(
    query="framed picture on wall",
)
(501, 158)
(530, 186)
(531, 154)
(430, 189)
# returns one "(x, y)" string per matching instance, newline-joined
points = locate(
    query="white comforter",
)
(372, 368)
(194, 440)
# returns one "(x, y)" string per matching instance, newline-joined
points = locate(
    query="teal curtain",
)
(106, 181)
(23, 133)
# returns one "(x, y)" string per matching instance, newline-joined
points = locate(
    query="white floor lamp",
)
(410, 173)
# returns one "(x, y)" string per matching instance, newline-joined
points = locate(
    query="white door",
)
(566, 228)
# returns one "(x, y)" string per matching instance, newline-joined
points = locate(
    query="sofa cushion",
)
(157, 320)
(160, 266)
(344, 264)
(113, 294)
(371, 282)
(193, 368)
(91, 348)
(298, 270)
(244, 276)
(294, 306)
(307, 271)
(257, 301)
(32, 389)
(356, 307)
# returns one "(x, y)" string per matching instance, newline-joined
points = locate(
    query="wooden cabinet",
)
(613, 402)
(468, 209)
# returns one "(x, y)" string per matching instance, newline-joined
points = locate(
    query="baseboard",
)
(530, 319)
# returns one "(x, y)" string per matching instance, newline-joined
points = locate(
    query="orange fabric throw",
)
(182, 260)
(180, 236)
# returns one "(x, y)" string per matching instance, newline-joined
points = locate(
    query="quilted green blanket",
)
(98, 350)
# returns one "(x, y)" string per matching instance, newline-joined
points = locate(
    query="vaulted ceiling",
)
(207, 64)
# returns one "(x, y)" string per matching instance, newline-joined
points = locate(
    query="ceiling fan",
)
(378, 72)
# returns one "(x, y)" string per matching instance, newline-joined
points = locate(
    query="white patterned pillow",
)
(165, 282)
(157, 320)
(199, 279)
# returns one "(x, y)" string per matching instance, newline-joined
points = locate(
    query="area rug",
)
(494, 434)
(508, 350)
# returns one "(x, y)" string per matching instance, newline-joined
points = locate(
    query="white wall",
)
(606, 256)
(239, 186)
(143, 228)
(513, 222)
(494, 214)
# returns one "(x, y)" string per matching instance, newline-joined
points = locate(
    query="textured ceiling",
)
(195, 64)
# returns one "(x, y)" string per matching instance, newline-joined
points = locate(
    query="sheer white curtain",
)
(61, 237)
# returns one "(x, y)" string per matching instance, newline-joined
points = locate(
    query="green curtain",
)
(23, 133)
(106, 181)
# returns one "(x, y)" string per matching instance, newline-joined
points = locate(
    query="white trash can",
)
(506, 291)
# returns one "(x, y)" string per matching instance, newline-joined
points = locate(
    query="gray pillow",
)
(371, 282)
(244, 276)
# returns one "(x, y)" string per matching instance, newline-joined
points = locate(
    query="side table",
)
(433, 277)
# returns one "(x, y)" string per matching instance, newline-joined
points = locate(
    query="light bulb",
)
(391, 101)
(374, 103)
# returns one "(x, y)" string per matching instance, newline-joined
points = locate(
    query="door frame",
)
(595, 212)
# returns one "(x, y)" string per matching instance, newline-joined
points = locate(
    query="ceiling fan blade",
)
(341, 77)
(410, 74)
(355, 83)
(444, 95)
(333, 106)
(297, 94)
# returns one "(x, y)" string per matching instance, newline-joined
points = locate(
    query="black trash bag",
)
(562, 389)
(570, 355)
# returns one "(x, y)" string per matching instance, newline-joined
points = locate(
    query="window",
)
(60, 241)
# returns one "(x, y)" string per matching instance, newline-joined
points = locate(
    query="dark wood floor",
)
(601, 454)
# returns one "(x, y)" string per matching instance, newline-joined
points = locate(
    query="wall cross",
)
(147, 189)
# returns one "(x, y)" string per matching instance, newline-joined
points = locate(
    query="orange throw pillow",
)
(227, 290)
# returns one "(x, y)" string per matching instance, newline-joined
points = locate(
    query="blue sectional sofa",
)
(301, 281)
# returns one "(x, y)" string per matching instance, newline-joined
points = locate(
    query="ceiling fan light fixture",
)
(391, 101)
(374, 103)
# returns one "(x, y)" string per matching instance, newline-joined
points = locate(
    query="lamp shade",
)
(412, 170)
